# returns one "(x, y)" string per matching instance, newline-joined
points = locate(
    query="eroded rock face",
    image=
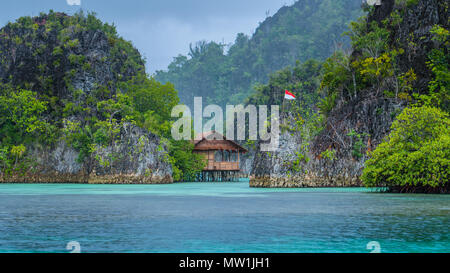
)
(137, 157)
(246, 162)
(69, 63)
(56, 61)
(373, 116)
(413, 34)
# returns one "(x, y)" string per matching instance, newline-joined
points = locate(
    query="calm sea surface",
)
(218, 217)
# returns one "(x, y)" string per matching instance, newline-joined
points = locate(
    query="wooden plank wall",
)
(220, 166)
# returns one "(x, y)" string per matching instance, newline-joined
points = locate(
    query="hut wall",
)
(219, 166)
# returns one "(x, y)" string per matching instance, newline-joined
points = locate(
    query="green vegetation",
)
(329, 154)
(21, 123)
(439, 63)
(41, 106)
(416, 153)
(301, 117)
(185, 163)
(406, 3)
(308, 29)
(356, 144)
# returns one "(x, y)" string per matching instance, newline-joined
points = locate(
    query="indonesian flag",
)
(288, 95)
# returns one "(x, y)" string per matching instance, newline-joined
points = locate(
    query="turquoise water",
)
(218, 217)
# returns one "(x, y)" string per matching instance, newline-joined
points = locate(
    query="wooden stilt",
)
(218, 176)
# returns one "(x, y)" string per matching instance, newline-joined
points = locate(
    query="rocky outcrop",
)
(53, 56)
(303, 181)
(368, 115)
(413, 33)
(246, 162)
(137, 157)
(73, 62)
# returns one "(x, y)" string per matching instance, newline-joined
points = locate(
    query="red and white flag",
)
(288, 95)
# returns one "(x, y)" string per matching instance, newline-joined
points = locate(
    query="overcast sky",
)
(161, 29)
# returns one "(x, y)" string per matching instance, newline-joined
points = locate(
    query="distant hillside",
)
(308, 29)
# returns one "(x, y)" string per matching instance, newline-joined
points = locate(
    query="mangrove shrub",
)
(415, 155)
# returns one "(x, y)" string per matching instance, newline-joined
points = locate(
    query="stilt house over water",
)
(222, 155)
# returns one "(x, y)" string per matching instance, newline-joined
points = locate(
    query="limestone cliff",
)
(369, 114)
(72, 63)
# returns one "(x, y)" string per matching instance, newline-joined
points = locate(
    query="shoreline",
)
(85, 179)
(266, 183)
(307, 181)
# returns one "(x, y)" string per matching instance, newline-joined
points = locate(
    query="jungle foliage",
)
(414, 157)
(415, 154)
(310, 29)
(40, 106)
